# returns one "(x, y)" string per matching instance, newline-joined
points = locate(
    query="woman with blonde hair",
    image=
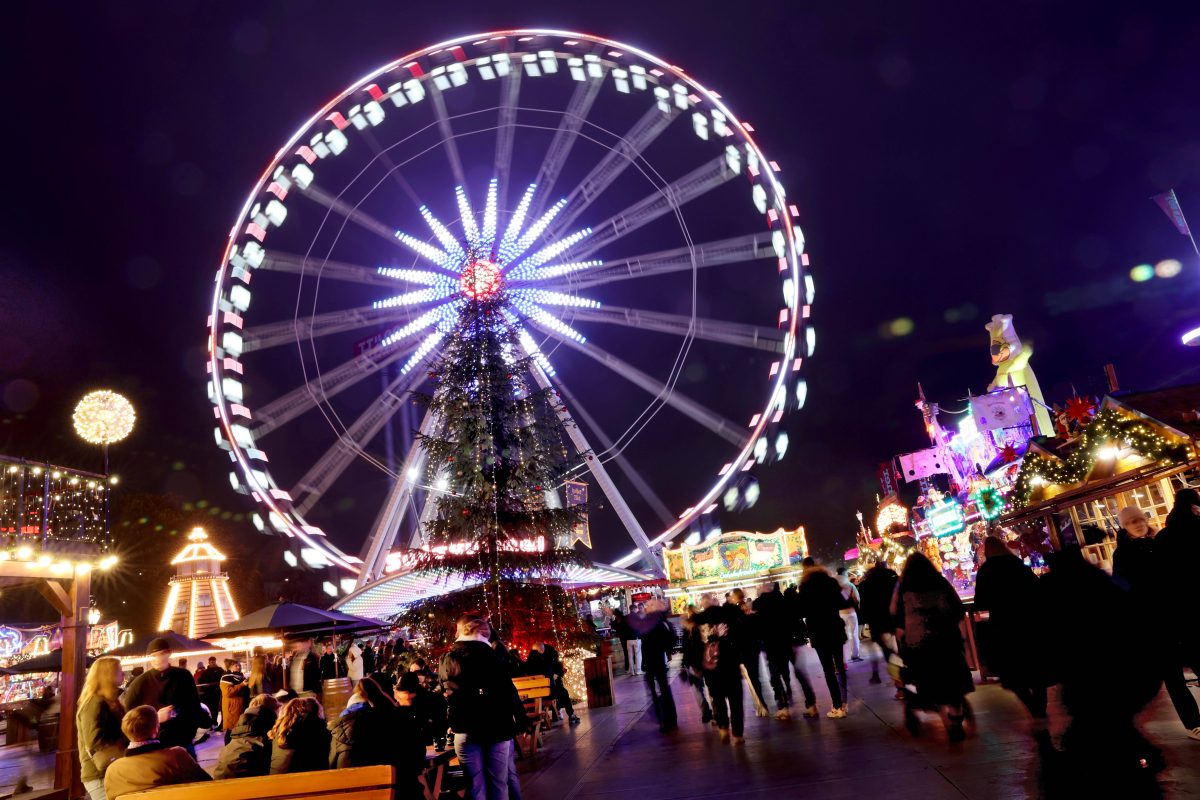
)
(98, 724)
(299, 738)
(259, 682)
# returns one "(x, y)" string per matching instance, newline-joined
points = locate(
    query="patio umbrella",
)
(293, 618)
(46, 662)
(179, 644)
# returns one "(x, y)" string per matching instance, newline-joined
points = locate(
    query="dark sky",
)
(948, 164)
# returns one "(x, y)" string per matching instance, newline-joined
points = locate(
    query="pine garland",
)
(1110, 428)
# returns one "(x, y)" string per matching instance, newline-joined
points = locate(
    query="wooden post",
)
(1055, 533)
(74, 653)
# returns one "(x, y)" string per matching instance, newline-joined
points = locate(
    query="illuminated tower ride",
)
(199, 599)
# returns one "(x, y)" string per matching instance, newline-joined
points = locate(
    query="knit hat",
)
(158, 645)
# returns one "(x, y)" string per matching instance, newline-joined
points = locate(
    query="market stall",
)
(738, 559)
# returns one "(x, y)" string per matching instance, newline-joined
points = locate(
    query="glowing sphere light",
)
(103, 417)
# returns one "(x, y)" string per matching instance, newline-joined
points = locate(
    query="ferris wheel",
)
(642, 242)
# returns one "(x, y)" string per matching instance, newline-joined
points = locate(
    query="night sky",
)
(948, 164)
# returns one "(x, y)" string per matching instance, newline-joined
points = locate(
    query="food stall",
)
(738, 559)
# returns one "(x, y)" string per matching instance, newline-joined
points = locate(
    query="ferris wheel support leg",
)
(624, 513)
(391, 516)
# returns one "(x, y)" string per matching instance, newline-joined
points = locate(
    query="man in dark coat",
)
(821, 603)
(484, 709)
(721, 631)
(172, 692)
(301, 671)
(1177, 554)
(210, 688)
(658, 644)
(875, 590)
(332, 666)
(777, 630)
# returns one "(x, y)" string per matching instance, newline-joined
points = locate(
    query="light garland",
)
(988, 501)
(1102, 438)
(103, 417)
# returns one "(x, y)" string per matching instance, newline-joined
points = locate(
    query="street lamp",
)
(93, 616)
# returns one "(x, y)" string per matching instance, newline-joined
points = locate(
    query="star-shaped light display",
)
(483, 264)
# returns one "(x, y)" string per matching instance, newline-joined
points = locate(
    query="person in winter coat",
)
(371, 731)
(235, 695)
(658, 645)
(210, 688)
(929, 611)
(248, 752)
(777, 631)
(148, 762)
(1133, 562)
(1013, 647)
(299, 738)
(172, 691)
(1177, 555)
(427, 709)
(821, 604)
(721, 629)
(693, 661)
(799, 629)
(259, 680)
(875, 591)
(631, 646)
(98, 724)
(544, 660)
(485, 711)
(751, 639)
(301, 671)
(354, 663)
(1089, 613)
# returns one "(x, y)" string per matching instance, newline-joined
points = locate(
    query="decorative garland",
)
(1109, 429)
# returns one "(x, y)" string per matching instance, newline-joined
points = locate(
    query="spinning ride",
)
(621, 211)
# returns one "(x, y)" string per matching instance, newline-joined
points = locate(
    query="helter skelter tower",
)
(199, 599)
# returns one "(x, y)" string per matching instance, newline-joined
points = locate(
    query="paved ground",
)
(619, 753)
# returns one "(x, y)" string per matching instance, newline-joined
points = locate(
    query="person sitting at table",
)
(299, 738)
(147, 761)
(372, 730)
(248, 752)
(427, 709)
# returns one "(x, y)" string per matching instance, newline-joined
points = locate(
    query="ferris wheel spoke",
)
(506, 130)
(622, 461)
(564, 139)
(703, 179)
(756, 337)
(332, 270)
(390, 165)
(273, 334)
(396, 507)
(447, 131)
(632, 144)
(702, 415)
(330, 466)
(328, 384)
(734, 250)
(603, 480)
(355, 215)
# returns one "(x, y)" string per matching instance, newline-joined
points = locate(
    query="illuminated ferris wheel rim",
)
(780, 219)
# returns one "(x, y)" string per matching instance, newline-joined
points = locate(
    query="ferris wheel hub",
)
(480, 279)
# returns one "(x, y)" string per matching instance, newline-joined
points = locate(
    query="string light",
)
(104, 417)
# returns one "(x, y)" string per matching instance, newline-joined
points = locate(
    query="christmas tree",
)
(496, 450)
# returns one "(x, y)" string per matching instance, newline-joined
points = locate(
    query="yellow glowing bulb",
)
(104, 417)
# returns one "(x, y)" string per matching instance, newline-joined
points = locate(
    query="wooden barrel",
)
(597, 673)
(335, 693)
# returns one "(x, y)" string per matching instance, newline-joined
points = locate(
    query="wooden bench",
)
(532, 690)
(358, 783)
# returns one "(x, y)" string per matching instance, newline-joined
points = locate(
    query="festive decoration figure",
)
(1011, 359)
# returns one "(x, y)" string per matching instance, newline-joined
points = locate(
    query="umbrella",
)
(179, 644)
(293, 618)
(47, 662)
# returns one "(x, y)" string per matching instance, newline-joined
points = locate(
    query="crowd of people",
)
(142, 733)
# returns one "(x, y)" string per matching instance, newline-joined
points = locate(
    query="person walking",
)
(1177, 556)
(658, 645)
(299, 737)
(1012, 641)
(259, 680)
(751, 641)
(98, 724)
(799, 630)
(210, 690)
(148, 761)
(850, 613)
(721, 627)
(821, 603)
(778, 631)
(485, 711)
(875, 592)
(693, 662)
(172, 692)
(929, 611)
(301, 671)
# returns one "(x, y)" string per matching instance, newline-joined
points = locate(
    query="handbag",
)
(104, 756)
